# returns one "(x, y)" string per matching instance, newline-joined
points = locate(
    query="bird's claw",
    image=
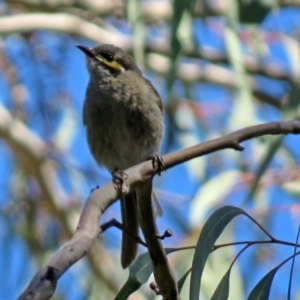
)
(119, 178)
(158, 163)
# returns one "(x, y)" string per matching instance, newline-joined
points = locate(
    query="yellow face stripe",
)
(112, 64)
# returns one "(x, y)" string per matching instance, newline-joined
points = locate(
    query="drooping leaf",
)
(222, 291)
(293, 265)
(210, 233)
(264, 165)
(139, 273)
(262, 290)
(253, 12)
(289, 113)
(209, 197)
(181, 281)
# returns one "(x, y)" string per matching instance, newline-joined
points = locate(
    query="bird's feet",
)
(158, 163)
(119, 178)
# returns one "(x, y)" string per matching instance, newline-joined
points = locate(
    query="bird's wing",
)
(159, 101)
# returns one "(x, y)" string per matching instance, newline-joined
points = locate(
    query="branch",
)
(31, 153)
(102, 8)
(150, 10)
(43, 284)
(74, 25)
(163, 273)
(231, 141)
(64, 23)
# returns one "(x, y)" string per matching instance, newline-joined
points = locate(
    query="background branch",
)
(31, 153)
(77, 26)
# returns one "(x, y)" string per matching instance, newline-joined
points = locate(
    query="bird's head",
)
(108, 60)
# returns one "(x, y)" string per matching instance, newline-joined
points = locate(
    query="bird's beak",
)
(86, 50)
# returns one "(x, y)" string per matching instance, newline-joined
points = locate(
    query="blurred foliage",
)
(219, 66)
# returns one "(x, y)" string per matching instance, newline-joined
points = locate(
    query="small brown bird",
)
(124, 122)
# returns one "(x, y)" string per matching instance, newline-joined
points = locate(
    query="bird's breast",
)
(122, 133)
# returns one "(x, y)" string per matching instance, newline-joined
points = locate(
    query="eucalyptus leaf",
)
(209, 234)
(181, 281)
(222, 291)
(139, 273)
(262, 290)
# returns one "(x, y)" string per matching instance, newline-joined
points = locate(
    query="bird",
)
(123, 117)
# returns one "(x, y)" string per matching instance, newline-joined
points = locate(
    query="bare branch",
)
(151, 10)
(187, 72)
(232, 141)
(102, 8)
(73, 25)
(191, 72)
(43, 285)
(64, 23)
(31, 154)
(163, 273)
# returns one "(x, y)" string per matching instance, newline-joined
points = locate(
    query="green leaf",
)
(210, 233)
(222, 291)
(289, 113)
(253, 12)
(208, 197)
(293, 265)
(264, 165)
(130, 286)
(139, 273)
(262, 290)
(181, 281)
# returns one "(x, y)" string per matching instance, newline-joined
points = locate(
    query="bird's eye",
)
(109, 61)
(108, 57)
